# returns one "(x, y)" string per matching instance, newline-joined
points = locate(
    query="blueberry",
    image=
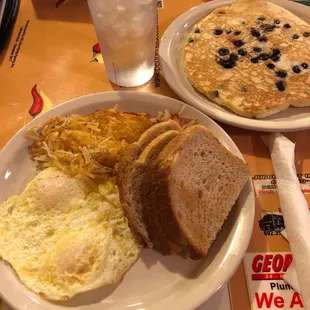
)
(236, 33)
(191, 40)
(296, 69)
(218, 32)
(295, 36)
(275, 58)
(276, 52)
(271, 66)
(261, 18)
(227, 64)
(262, 39)
(263, 56)
(242, 52)
(306, 34)
(255, 33)
(304, 65)
(255, 60)
(287, 26)
(280, 85)
(257, 49)
(238, 43)
(223, 51)
(281, 74)
(269, 28)
(197, 30)
(277, 21)
(234, 57)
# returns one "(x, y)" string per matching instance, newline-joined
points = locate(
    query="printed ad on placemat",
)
(266, 287)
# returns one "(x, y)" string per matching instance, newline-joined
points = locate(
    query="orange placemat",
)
(53, 56)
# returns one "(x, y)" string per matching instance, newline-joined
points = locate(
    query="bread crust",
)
(160, 192)
(167, 238)
(160, 210)
(128, 172)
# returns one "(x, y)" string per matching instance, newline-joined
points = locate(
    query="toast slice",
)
(138, 174)
(135, 149)
(127, 173)
(191, 187)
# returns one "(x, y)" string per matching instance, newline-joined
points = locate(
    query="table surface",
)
(52, 55)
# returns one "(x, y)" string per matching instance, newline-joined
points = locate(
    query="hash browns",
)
(85, 145)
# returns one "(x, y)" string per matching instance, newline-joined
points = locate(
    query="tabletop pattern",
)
(53, 56)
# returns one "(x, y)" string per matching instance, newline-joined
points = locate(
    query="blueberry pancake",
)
(251, 57)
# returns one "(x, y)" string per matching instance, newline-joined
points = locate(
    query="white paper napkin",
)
(295, 212)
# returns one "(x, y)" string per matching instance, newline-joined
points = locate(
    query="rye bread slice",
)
(138, 174)
(191, 187)
(135, 149)
(128, 178)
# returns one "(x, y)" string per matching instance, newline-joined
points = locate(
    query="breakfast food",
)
(188, 188)
(62, 237)
(250, 57)
(72, 229)
(85, 145)
(131, 170)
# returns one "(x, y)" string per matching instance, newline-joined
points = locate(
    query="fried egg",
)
(62, 237)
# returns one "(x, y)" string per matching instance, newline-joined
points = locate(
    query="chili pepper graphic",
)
(97, 57)
(59, 2)
(41, 103)
(96, 49)
(37, 104)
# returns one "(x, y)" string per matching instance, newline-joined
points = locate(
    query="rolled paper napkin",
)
(295, 212)
(291, 275)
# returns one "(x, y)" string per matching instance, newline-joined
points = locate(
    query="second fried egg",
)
(62, 238)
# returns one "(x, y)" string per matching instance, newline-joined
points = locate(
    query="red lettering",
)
(266, 192)
(267, 262)
(277, 263)
(257, 264)
(279, 302)
(296, 300)
(287, 261)
(263, 300)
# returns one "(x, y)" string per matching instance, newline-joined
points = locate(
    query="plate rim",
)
(185, 303)
(171, 75)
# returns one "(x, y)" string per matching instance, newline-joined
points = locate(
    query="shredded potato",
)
(90, 146)
(85, 145)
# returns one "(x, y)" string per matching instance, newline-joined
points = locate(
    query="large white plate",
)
(154, 282)
(172, 67)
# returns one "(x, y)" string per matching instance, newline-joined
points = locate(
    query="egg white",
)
(62, 238)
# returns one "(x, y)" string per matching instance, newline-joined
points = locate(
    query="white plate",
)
(171, 53)
(154, 282)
